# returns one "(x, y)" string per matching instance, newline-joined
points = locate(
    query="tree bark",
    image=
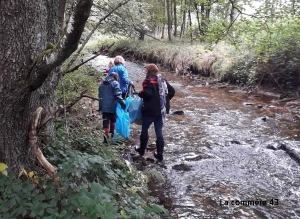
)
(168, 5)
(175, 17)
(31, 54)
(182, 28)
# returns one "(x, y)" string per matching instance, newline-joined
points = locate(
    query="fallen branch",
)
(33, 143)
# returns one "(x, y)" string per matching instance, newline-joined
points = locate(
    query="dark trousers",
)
(108, 118)
(158, 125)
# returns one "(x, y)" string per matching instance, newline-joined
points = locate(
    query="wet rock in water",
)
(198, 157)
(235, 142)
(291, 151)
(272, 147)
(247, 103)
(179, 112)
(288, 149)
(182, 167)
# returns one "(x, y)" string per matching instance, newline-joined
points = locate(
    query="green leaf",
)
(96, 188)
(50, 211)
(40, 210)
(16, 187)
(62, 213)
(38, 198)
(24, 212)
(84, 200)
(11, 202)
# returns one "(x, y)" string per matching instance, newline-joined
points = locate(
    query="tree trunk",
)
(169, 19)
(30, 58)
(183, 22)
(175, 17)
(190, 22)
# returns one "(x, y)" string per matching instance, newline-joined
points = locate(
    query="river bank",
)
(217, 152)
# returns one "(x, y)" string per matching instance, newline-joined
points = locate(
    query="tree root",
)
(33, 143)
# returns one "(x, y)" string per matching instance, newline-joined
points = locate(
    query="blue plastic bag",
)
(135, 110)
(123, 121)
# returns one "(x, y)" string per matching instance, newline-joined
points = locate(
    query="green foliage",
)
(97, 184)
(78, 81)
(275, 43)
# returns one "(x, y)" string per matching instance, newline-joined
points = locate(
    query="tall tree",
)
(175, 17)
(169, 17)
(183, 12)
(33, 47)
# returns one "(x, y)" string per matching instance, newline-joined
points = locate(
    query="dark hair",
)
(114, 75)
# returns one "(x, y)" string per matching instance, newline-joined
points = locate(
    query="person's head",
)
(111, 63)
(119, 60)
(114, 75)
(151, 70)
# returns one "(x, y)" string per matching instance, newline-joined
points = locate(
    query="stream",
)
(217, 159)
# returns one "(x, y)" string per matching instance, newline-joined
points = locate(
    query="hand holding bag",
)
(135, 110)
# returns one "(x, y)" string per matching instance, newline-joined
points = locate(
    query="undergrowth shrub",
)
(93, 184)
(276, 44)
(85, 78)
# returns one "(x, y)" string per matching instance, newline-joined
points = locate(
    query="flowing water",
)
(217, 161)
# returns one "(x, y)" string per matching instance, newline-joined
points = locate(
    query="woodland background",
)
(44, 51)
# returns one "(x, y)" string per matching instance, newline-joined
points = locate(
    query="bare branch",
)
(78, 66)
(93, 98)
(56, 56)
(91, 33)
(61, 111)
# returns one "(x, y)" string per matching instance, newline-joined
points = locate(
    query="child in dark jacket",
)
(109, 95)
(156, 94)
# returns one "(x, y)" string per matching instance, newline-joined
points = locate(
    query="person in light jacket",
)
(110, 94)
(156, 94)
(121, 70)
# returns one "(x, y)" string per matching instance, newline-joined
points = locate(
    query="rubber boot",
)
(112, 129)
(159, 149)
(143, 145)
(105, 130)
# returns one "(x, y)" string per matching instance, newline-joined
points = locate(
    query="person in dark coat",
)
(121, 70)
(110, 94)
(156, 95)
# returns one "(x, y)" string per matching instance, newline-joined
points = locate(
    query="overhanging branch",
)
(56, 56)
(91, 33)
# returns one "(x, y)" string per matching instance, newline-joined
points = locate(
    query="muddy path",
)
(217, 158)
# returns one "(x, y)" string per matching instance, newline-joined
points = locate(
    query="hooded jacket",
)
(109, 94)
(121, 70)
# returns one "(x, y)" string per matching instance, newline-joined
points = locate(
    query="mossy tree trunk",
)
(29, 69)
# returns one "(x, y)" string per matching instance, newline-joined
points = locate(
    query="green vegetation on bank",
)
(260, 53)
(95, 181)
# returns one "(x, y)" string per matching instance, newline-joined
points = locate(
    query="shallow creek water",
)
(216, 159)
